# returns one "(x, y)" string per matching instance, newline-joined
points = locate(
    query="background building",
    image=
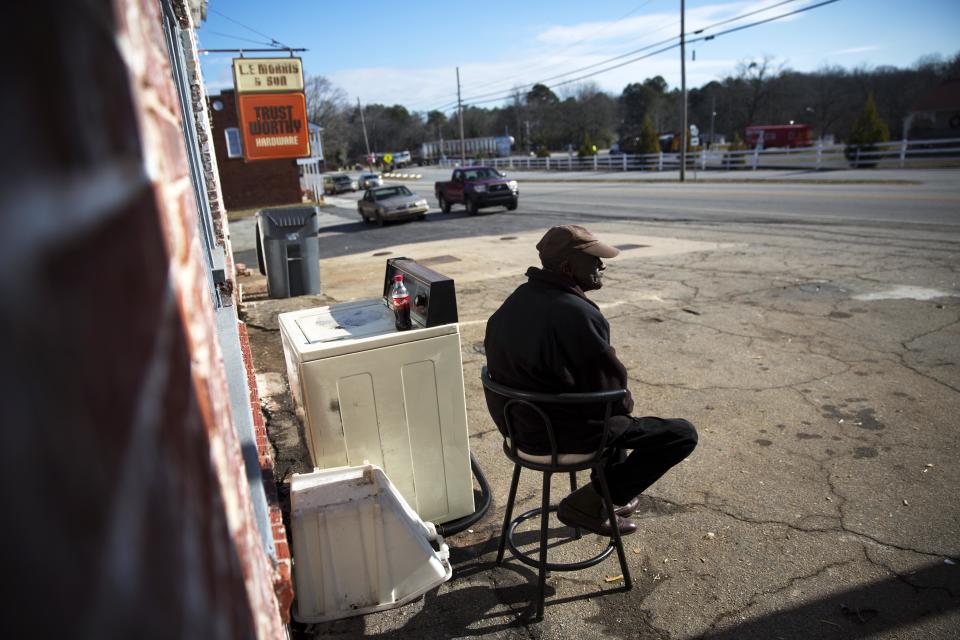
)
(936, 113)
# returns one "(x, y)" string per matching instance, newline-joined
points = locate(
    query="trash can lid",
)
(292, 217)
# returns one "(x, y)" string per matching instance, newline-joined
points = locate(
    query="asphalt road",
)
(810, 331)
(935, 200)
(790, 203)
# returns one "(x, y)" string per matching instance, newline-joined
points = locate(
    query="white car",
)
(338, 183)
(369, 180)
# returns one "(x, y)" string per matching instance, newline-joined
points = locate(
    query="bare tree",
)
(325, 100)
(826, 98)
(327, 106)
(755, 79)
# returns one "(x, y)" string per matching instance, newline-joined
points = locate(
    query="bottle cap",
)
(398, 277)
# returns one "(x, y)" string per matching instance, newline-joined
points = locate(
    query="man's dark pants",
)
(658, 444)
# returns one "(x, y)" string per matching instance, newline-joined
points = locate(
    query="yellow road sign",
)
(388, 158)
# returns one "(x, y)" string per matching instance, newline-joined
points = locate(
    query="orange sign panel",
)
(274, 126)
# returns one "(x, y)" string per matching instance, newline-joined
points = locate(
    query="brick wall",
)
(249, 184)
(127, 508)
(200, 121)
(283, 580)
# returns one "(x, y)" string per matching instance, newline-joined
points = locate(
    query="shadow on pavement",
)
(458, 612)
(919, 598)
(476, 593)
(864, 611)
(466, 604)
(352, 238)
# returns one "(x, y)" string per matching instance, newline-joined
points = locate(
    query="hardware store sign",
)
(274, 126)
(267, 75)
(272, 108)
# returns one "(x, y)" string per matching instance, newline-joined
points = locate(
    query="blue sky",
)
(407, 53)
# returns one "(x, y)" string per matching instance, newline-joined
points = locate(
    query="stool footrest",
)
(551, 566)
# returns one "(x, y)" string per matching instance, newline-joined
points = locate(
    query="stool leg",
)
(544, 528)
(508, 514)
(608, 503)
(573, 487)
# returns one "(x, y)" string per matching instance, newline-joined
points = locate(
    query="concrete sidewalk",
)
(821, 501)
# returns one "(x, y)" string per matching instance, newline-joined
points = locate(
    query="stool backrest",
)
(534, 400)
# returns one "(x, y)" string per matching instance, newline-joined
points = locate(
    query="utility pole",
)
(364, 125)
(683, 93)
(463, 150)
(516, 106)
(713, 115)
(443, 150)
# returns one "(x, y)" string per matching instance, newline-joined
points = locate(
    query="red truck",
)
(779, 135)
(476, 188)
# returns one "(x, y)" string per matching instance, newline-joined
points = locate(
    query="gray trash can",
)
(288, 252)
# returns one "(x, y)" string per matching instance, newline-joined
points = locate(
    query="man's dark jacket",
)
(548, 337)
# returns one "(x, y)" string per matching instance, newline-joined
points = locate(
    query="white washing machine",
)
(367, 392)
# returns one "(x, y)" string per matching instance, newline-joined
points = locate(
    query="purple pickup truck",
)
(476, 188)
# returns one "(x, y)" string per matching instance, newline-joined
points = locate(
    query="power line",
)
(580, 41)
(589, 66)
(273, 41)
(641, 49)
(606, 26)
(595, 73)
(227, 35)
(766, 20)
(745, 15)
(702, 38)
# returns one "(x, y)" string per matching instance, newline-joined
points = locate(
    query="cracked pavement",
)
(821, 500)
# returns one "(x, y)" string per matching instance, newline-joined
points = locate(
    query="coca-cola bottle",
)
(400, 303)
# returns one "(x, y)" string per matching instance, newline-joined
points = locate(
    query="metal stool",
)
(548, 465)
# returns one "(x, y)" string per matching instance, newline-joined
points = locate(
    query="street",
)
(811, 332)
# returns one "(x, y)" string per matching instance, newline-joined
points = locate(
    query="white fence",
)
(888, 155)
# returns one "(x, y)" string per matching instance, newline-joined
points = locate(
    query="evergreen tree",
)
(541, 93)
(649, 143)
(868, 130)
(587, 148)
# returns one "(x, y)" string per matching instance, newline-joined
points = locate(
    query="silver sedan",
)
(369, 180)
(391, 203)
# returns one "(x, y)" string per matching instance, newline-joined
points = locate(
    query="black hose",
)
(458, 525)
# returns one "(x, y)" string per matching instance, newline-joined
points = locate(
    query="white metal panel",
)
(403, 407)
(346, 321)
(347, 328)
(367, 392)
(357, 546)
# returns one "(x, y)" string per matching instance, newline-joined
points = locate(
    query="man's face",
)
(586, 270)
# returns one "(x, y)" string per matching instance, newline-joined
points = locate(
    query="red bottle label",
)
(401, 312)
